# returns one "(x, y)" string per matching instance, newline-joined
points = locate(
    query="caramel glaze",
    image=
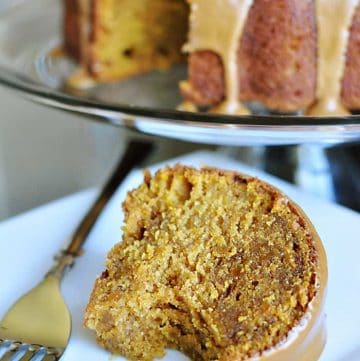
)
(218, 25)
(334, 18)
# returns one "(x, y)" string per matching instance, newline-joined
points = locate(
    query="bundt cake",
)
(216, 264)
(290, 55)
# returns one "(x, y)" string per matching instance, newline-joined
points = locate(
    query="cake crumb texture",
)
(216, 264)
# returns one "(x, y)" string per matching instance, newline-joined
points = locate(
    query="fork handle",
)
(135, 153)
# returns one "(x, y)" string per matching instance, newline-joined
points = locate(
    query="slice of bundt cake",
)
(216, 264)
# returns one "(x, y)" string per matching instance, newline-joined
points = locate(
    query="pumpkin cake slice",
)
(216, 264)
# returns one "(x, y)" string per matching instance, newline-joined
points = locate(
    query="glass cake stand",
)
(31, 30)
(32, 64)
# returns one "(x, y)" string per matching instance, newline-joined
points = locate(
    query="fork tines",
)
(19, 351)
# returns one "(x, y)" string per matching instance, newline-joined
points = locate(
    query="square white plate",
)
(28, 242)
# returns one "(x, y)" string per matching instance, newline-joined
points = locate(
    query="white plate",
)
(28, 242)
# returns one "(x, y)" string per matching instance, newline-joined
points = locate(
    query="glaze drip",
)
(334, 19)
(217, 25)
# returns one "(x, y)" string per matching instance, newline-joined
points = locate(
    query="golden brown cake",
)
(115, 39)
(216, 264)
(289, 55)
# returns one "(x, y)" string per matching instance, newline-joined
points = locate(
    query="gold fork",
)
(38, 325)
